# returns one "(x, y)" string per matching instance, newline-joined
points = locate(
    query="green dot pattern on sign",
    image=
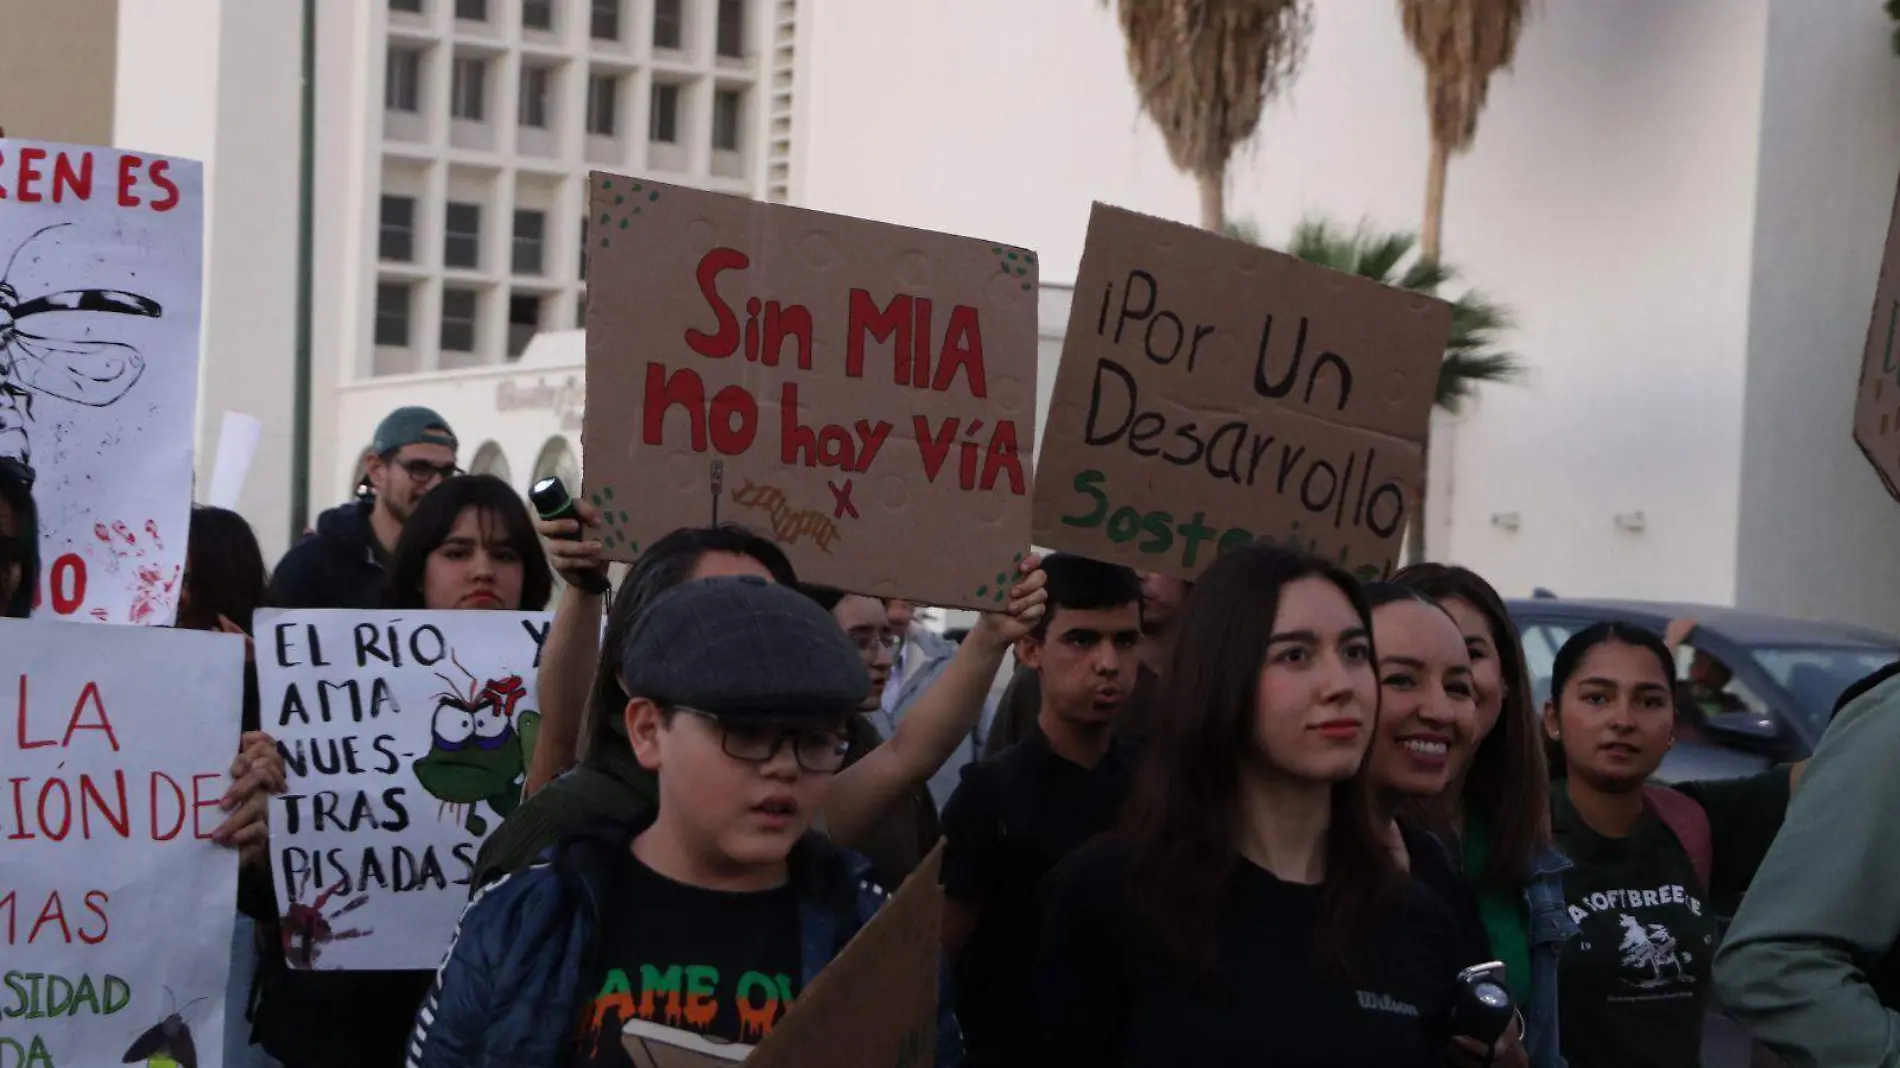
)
(620, 201)
(1014, 264)
(999, 589)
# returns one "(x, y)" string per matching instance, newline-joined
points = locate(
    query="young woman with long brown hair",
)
(1495, 813)
(1250, 912)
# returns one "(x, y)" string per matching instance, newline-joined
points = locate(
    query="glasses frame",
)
(431, 471)
(785, 734)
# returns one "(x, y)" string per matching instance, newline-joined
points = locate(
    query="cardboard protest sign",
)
(115, 907)
(1213, 393)
(407, 736)
(862, 393)
(101, 264)
(1877, 409)
(874, 1006)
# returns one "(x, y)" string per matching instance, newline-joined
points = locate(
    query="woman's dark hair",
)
(1570, 657)
(1508, 782)
(1185, 819)
(24, 546)
(224, 571)
(433, 520)
(665, 564)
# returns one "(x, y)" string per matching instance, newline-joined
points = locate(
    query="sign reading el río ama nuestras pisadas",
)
(406, 738)
(863, 394)
(1213, 393)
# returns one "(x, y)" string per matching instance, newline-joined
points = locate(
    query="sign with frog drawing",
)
(407, 737)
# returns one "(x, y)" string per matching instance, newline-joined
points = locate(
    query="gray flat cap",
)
(743, 648)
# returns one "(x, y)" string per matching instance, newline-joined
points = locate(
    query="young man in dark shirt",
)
(701, 921)
(1015, 815)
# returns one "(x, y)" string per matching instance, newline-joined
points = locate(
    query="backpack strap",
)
(1689, 823)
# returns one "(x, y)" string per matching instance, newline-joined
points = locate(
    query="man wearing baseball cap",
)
(342, 564)
(701, 920)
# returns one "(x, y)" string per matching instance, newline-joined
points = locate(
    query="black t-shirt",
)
(1635, 980)
(1108, 1002)
(717, 964)
(1011, 820)
(1434, 866)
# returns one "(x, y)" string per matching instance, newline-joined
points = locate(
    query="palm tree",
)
(1893, 12)
(1472, 358)
(1461, 43)
(1203, 70)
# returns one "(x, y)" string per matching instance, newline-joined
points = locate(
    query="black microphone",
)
(551, 502)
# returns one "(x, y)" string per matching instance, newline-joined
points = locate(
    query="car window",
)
(1817, 675)
(1541, 642)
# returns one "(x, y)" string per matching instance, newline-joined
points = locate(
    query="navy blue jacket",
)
(510, 994)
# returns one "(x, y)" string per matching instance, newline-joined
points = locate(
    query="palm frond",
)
(1461, 43)
(1462, 373)
(1426, 276)
(1472, 358)
(1204, 71)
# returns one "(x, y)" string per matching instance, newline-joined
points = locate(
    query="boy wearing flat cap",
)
(708, 915)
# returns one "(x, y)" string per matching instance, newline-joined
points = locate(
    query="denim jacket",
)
(1551, 926)
(509, 993)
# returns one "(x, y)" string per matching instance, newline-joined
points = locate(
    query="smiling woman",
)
(470, 545)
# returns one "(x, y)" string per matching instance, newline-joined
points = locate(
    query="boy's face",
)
(736, 813)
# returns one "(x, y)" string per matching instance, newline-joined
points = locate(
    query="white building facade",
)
(1683, 203)
(460, 137)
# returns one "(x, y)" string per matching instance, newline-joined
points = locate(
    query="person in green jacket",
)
(1808, 965)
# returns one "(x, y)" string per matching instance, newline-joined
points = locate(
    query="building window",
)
(458, 319)
(534, 96)
(530, 227)
(402, 80)
(603, 105)
(470, 88)
(537, 14)
(524, 321)
(472, 10)
(732, 28)
(727, 108)
(583, 250)
(396, 241)
(605, 23)
(664, 124)
(669, 24)
(580, 310)
(392, 314)
(462, 237)
(414, 6)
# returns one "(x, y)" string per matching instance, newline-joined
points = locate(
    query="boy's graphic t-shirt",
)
(720, 965)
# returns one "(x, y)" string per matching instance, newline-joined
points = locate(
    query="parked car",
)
(1787, 675)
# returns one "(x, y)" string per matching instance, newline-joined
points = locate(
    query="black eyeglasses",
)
(816, 748)
(423, 470)
(17, 469)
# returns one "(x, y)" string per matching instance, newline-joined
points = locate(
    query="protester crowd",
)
(1275, 816)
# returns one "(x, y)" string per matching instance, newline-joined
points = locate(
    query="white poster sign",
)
(237, 445)
(407, 737)
(101, 264)
(115, 907)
